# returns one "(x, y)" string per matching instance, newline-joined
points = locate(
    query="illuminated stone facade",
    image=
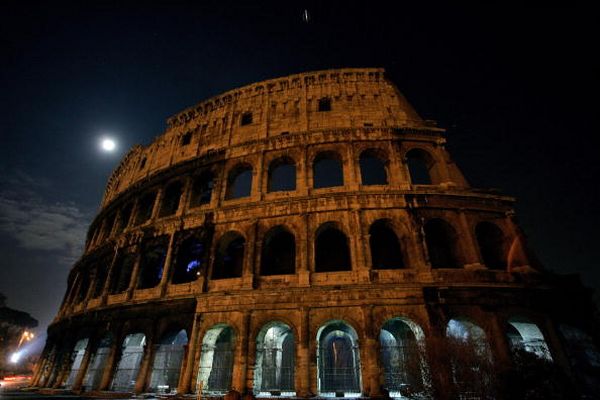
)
(307, 235)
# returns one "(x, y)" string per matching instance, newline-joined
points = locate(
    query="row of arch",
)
(327, 171)
(278, 255)
(402, 358)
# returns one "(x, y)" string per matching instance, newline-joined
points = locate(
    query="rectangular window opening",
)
(324, 104)
(246, 119)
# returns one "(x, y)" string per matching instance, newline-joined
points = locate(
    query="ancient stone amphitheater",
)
(307, 236)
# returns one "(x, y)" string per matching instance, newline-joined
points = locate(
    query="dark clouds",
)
(38, 225)
(40, 239)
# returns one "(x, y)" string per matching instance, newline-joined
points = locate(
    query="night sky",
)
(516, 89)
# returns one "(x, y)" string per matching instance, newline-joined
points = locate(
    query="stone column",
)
(135, 272)
(41, 364)
(437, 357)
(257, 178)
(85, 362)
(370, 371)
(313, 370)
(188, 370)
(302, 375)
(54, 368)
(90, 292)
(249, 252)
(46, 368)
(111, 361)
(499, 344)
(239, 374)
(418, 253)
(303, 253)
(164, 279)
(109, 277)
(156, 205)
(468, 243)
(352, 177)
(250, 362)
(186, 192)
(397, 172)
(302, 170)
(359, 263)
(63, 367)
(146, 363)
(441, 162)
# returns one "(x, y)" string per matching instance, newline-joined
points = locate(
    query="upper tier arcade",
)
(351, 97)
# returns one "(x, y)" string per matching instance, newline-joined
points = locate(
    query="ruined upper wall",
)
(358, 97)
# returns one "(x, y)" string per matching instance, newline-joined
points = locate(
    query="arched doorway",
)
(525, 335)
(338, 360)
(93, 375)
(76, 359)
(168, 356)
(275, 355)
(128, 368)
(403, 359)
(216, 361)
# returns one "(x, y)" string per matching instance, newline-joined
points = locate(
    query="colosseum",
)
(308, 236)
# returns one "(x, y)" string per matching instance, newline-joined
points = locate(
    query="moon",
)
(108, 145)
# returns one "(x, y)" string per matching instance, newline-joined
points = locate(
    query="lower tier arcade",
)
(416, 342)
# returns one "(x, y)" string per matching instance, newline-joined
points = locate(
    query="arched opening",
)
(144, 208)
(526, 336)
(123, 219)
(76, 359)
(202, 189)
(128, 367)
(190, 260)
(442, 244)
(386, 252)
(93, 375)
(332, 252)
(153, 262)
(491, 245)
(121, 273)
(327, 170)
(402, 355)
(107, 227)
(372, 168)
(470, 358)
(216, 361)
(275, 355)
(171, 198)
(100, 275)
(338, 360)
(84, 285)
(168, 356)
(239, 182)
(420, 164)
(278, 252)
(282, 175)
(229, 256)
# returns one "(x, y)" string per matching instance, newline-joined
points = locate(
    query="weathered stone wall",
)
(367, 115)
